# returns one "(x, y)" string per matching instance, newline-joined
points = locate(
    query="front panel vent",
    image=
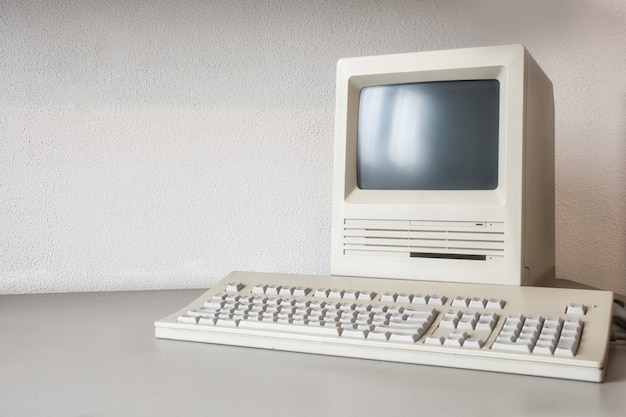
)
(478, 241)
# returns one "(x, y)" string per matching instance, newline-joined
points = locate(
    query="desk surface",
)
(95, 354)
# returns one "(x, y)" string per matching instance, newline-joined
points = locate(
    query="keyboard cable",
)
(618, 326)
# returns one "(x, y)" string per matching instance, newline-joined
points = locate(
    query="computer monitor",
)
(444, 167)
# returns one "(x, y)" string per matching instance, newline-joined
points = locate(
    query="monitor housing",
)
(456, 189)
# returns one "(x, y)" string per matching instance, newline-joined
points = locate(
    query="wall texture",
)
(162, 144)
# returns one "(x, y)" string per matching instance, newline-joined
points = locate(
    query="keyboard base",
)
(589, 365)
(387, 354)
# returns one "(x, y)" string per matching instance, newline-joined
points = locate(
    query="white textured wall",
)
(162, 144)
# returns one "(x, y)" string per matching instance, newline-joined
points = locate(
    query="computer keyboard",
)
(552, 332)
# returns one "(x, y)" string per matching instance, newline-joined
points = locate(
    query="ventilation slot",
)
(477, 241)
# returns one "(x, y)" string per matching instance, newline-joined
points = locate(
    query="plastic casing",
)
(503, 236)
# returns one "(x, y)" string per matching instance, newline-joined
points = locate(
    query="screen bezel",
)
(476, 68)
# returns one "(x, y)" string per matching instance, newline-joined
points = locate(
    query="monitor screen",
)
(429, 136)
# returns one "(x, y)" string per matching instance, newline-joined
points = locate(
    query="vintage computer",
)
(442, 231)
(444, 167)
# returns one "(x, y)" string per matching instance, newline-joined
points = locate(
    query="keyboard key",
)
(234, 287)
(388, 297)
(468, 321)
(401, 326)
(455, 339)
(202, 312)
(214, 304)
(316, 312)
(362, 314)
(506, 337)
(285, 291)
(428, 315)
(474, 343)
(420, 299)
(533, 320)
(321, 292)
(259, 300)
(572, 325)
(567, 347)
(529, 333)
(544, 348)
(272, 289)
(575, 308)
(210, 321)
(404, 298)
(363, 308)
(350, 295)
(487, 321)
(379, 308)
(185, 318)
(259, 289)
(527, 339)
(227, 322)
(507, 346)
(437, 300)
(548, 335)
(395, 309)
(477, 302)
(289, 302)
(460, 302)
(378, 334)
(515, 319)
(273, 301)
(434, 340)
(301, 291)
(347, 306)
(231, 298)
(317, 304)
(299, 320)
(332, 306)
(311, 329)
(450, 319)
(404, 338)
(346, 320)
(495, 303)
(553, 323)
(366, 295)
(354, 333)
(336, 293)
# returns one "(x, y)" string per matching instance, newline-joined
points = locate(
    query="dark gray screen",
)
(429, 136)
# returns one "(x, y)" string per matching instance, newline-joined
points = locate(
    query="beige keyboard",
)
(553, 332)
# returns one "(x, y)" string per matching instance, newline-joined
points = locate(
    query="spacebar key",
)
(289, 328)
